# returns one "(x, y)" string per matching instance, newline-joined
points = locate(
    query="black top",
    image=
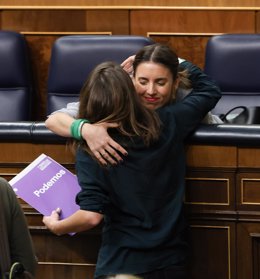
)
(141, 199)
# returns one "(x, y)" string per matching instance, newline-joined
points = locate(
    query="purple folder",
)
(46, 185)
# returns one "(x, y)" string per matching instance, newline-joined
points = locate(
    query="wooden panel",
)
(116, 22)
(40, 51)
(211, 156)
(168, 3)
(66, 249)
(198, 189)
(248, 157)
(213, 248)
(248, 191)
(68, 257)
(41, 20)
(25, 153)
(248, 245)
(257, 22)
(64, 271)
(192, 21)
(256, 256)
(207, 190)
(190, 47)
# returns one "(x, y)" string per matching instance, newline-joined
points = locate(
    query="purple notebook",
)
(47, 185)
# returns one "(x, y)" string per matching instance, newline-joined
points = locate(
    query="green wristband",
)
(76, 127)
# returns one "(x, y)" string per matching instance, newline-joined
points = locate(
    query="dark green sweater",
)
(142, 198)
(20, 242)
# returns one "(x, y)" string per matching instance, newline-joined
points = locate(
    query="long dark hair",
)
(109, 95)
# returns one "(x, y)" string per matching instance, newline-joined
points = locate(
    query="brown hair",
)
(108, 95)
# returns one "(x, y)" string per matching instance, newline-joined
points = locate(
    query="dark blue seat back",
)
(74, 56)
(15, 78)
(233, 60)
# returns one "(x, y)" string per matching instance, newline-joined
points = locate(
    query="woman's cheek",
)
(139, 89)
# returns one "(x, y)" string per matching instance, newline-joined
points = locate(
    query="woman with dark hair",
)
(140, 200)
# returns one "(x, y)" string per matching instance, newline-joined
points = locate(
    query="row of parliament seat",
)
(231, 59)
(16, 83)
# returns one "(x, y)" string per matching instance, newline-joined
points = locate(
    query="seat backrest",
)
(233, 61)
(74, 56)
(15, 77)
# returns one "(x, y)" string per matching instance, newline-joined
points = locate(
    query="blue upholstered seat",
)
(74, 56)
(233, 60)
(15, 78)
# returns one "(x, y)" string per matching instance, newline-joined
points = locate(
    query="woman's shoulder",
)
(166, 113)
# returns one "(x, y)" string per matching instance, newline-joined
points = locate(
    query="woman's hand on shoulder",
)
(127, 64)
(104, 148)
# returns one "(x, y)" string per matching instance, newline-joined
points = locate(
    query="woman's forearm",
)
(80, 221)
(59, 123)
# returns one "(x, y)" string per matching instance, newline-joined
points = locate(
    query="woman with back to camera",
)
(141, 200)
(147, 84)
